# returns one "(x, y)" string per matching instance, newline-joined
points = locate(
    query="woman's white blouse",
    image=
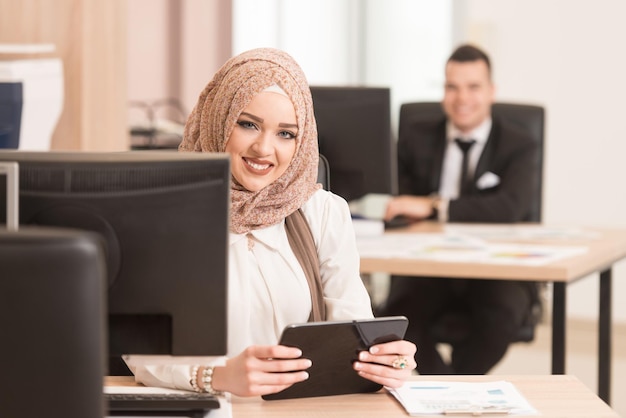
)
(267, 288)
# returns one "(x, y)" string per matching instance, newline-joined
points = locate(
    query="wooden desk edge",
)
(551, 395)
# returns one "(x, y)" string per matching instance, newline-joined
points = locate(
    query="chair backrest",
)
(530, 118)
(323, 173)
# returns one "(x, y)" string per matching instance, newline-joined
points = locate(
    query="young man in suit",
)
(466, 167)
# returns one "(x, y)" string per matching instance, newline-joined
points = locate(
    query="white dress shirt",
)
(451, 170)
(267, 288)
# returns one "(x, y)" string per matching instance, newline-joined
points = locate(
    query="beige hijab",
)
(212, 120)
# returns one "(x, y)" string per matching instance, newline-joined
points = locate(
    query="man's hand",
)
(417, 207)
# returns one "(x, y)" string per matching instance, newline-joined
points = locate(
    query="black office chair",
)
(323, 172)
(455, 327)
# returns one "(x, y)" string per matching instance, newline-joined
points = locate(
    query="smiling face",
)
(263, 141)
(469, 93)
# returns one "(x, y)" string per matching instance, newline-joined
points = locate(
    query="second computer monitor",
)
(354, 132)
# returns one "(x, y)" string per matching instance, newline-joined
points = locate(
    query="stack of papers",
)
(465, 398)
(370, 206)
(367, 214)
(368, 227)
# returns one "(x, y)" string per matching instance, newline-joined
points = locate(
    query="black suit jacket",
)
(509, 153)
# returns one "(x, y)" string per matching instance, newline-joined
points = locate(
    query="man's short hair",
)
(468, 53)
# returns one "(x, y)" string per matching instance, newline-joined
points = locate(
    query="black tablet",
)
(333, 347)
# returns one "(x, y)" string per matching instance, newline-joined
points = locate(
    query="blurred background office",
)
(565, 55)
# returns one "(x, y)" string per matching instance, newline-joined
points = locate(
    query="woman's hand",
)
(261, 370)
(388, 364)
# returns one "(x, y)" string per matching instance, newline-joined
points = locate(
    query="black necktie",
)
(465, 146)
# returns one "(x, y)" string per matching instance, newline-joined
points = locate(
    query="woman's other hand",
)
(389, 364)
(261, 370)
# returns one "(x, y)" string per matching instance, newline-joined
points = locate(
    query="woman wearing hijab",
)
(292, 252)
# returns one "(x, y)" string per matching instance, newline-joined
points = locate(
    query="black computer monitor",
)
(52, 322)
(354, 132)
(164, 218)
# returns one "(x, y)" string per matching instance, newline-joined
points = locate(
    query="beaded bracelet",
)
(207, 380)
(194, 379)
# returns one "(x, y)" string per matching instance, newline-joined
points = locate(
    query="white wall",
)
(355, 42)
(569, 56)
(406, 46)
(319, 34)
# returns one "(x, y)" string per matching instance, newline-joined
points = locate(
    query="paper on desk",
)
(461, 248)
(517, 232)
(437, 397)
(406, 245)
(368, 227)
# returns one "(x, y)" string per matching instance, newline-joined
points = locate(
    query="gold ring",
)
(400, 362)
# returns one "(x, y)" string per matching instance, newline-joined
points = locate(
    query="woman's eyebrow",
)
(251, 116)
(260, 120)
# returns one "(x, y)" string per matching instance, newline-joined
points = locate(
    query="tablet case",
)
(333, 347)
